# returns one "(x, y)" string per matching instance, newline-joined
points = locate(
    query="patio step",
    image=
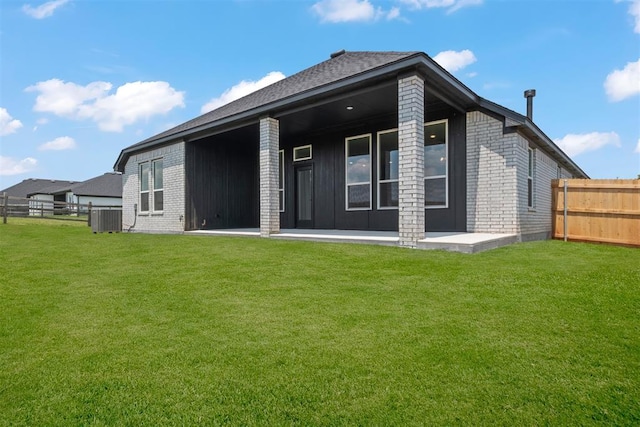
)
(467, 243)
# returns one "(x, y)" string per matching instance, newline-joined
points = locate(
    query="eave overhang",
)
(529, 129)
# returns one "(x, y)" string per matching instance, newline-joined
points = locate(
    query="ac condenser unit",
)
(106, 220)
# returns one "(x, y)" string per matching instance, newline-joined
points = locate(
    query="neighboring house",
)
(362, 141)
(40, 191)
(103, 190)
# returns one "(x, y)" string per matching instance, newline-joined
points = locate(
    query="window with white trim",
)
(388, 169)
(144, 186)
(436, 169)
(158, 190)
(358, 172)
(530, 175)
(281, 179)
(302, 153)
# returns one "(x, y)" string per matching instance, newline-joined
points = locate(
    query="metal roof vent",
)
(338, 53)
(529, 94)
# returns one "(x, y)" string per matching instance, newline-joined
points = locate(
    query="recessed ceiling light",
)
(349, 107)
(432, 137)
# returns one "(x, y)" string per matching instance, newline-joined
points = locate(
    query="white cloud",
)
(8, 124)
(450, 5)
(394, 13)
(574, 144)
(638, 146)
(10, 166)
(42, 121)
(335, 11)
(60, 143)
(621, 84)
(634, 11)
(344, 10)
(453, 61)
(130, 103)
(65, 99)
(243, 88)
(44, 10)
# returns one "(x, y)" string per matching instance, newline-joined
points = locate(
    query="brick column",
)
(269, 206)
(411, 223)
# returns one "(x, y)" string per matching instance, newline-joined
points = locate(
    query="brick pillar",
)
(269, 206)
(411, 223)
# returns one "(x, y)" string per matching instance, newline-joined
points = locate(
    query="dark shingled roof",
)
(340, 67)
(342, 70)
(37, 186)
(107, 185)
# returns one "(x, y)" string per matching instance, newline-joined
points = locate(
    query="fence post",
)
(565, 211)
(5, 207)
(89, 218)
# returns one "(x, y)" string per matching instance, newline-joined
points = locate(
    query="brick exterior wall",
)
(535, 223)
(411, 160)
(492, 199)
(269, 199)
(497, 181)
(171, 220)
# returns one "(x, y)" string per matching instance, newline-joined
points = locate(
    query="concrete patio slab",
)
(449, 241)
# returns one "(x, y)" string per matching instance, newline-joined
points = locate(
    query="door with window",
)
(304, 196)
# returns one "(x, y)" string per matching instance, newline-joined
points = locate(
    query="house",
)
(103, 190)
(362, 141)
(39, 194)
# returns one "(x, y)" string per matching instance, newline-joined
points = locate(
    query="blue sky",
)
(80, 80)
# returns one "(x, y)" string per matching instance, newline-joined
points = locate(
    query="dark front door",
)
(304, 197)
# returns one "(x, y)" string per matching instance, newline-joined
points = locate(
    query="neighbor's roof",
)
(340, 72)
(107, 185)
(37, 186)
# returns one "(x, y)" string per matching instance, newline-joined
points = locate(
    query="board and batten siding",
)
(171, 219)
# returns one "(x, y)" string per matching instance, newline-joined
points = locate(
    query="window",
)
(158, 202)
(530, 174)
(302, 153)
(281, 179)
(358, 172)
(436, 180)
(388, 169)
(144, 187)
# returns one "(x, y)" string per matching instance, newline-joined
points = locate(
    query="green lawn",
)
(128, 329)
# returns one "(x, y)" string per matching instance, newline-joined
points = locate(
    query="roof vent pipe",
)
(338, 53)
(529, 94)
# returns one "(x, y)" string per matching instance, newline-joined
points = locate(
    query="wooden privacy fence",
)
(597, 210)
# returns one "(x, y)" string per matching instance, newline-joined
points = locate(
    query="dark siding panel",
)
(222, 185)
(323, 182)
(454, 218)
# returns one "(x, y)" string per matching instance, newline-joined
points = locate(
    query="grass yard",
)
(128, 329)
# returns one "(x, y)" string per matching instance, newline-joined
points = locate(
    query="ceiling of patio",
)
(367, 104)
(353, 107)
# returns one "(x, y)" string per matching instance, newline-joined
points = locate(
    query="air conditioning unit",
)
(106, 220)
